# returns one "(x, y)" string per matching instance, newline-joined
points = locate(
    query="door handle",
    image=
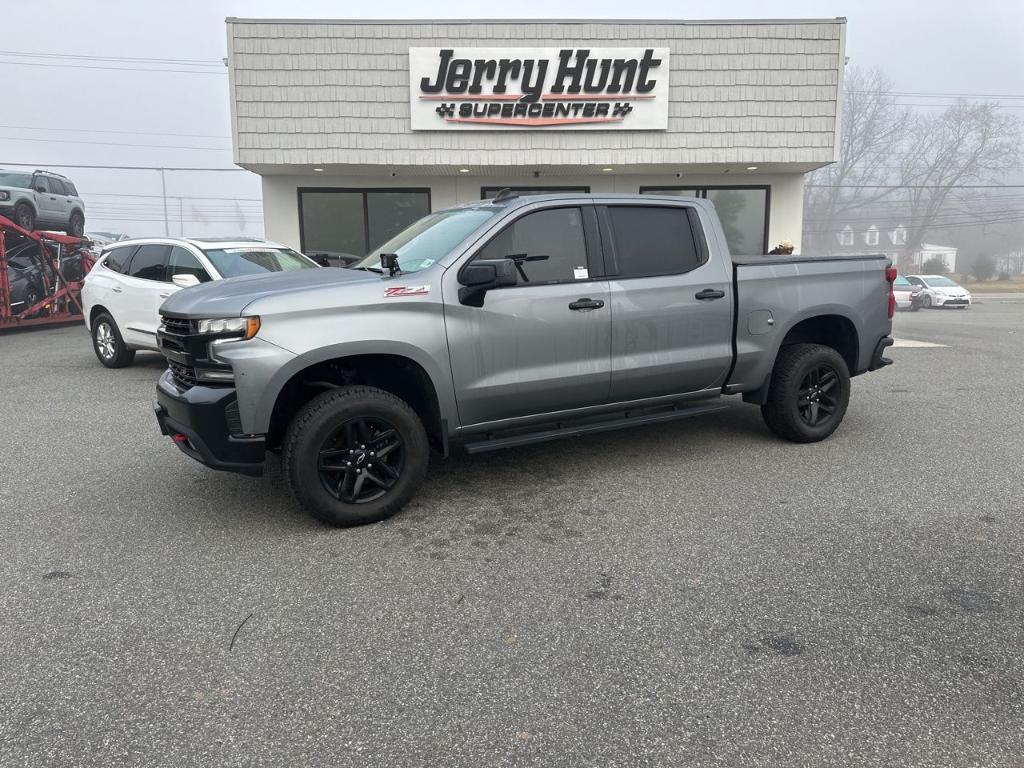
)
(586, 305)
(163, 295)
(709, 294)
(116, 289)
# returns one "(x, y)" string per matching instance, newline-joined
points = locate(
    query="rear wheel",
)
(24, 216)
(108, 345)
(808, 393)
(355, 455)
(76, 226)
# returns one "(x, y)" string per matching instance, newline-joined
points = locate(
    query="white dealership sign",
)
(453, 89)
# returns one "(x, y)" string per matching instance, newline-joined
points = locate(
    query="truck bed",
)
(774, 294)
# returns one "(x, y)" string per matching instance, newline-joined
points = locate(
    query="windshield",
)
(902, 281)
(423, 243)
(941, 282)
(23, 180)
(256, 259)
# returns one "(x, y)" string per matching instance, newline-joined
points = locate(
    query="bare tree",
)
(902, 166)
(967, 143)
(871, 126)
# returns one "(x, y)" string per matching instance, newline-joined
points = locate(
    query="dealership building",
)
(358, 128)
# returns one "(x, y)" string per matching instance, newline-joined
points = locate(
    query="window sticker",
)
(580, 273)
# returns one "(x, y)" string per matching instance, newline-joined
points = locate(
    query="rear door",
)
(145, 289)
(64, 202)
(671, 302)
(542, 345)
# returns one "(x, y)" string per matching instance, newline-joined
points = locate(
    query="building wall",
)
(281, 211)
(337, 92)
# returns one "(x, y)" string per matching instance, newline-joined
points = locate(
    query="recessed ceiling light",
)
(463, 170)
(607, 169)
(751, 167)
(319, 170)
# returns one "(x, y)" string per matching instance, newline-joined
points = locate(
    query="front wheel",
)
(355, 455)
(24, 216)
(926, 302)
(808, 393)
(108, 345)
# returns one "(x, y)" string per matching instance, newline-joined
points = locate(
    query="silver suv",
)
(41, 200)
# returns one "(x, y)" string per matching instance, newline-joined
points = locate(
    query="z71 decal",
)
(406, 290)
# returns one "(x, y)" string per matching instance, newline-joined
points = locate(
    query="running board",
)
(624, 422)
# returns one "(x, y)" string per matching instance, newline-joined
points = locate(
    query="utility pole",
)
(163, 187)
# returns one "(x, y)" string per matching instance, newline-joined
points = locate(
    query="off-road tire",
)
(781, 411)
(122, 356)
(314, 424)
(76, 226)
(24, 216)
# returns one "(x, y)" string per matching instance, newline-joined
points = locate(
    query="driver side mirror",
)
(185, 280)
(40, 188)
(482, 275)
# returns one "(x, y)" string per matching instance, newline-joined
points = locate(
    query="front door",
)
(145, 289)
(48, 205)
(671, 303)
(542, 345)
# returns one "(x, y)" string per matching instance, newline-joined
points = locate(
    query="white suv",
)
(123, 292)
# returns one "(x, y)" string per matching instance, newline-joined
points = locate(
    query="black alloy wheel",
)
(816, 400)
(361, 460)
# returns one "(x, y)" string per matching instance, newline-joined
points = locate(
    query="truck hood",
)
(227, 298)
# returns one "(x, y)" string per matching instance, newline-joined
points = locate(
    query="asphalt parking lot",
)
(696, 593)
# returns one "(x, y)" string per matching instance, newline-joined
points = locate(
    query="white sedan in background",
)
(122, 294)
(940, 291)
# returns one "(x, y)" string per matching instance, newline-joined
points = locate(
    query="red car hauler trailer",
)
(57, 265)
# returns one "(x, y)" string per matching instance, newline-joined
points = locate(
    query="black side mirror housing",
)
(483, 275)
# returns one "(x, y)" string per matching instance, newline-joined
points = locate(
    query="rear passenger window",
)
(547, 246)
(183, 262)
(56, 186)
(117, 258)
(149, 262)
(652, 241)
(70, 188)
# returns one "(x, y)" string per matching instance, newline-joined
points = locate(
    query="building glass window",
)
(347, 223)
(742, 210)
(871, 236)
(486, 193)
(846, 236)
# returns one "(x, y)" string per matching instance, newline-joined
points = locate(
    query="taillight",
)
(890, 277)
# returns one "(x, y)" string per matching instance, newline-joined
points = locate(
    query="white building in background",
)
(358, 128)
(915, 261)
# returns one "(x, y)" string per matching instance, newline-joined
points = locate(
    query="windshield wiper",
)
(378, 270)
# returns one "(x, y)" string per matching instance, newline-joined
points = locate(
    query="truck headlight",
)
(241, 327)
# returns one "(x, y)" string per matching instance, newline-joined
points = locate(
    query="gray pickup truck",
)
(506, 322)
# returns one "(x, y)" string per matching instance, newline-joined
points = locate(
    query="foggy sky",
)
(940, 46)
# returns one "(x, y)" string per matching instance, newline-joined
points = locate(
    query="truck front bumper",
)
(203, 422)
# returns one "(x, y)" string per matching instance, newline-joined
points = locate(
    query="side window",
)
(914, 281)
(547, 246)
(56, 186)
(183, 262)
(117, 258)
(40, 182)
(149, 262)
(26, 257)
(71, 190)
(653, 241)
